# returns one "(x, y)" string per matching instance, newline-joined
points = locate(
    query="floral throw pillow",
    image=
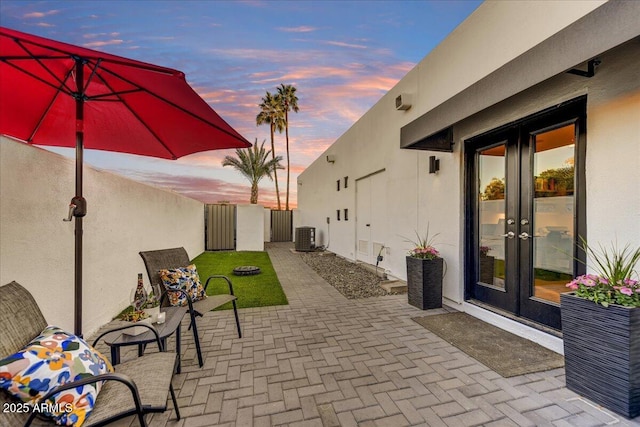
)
(185, 278)
(52, 359)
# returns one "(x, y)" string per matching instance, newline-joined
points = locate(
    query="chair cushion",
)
(152, 375)
(52, 359)
(185, 278)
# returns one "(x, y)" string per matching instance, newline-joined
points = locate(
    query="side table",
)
(173, 319)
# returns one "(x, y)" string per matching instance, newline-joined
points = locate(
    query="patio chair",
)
(162, 259)
(137, 387)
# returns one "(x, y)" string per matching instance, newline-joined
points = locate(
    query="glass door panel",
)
(553, 212)
(491, 215)
(493, 201)
(526, 205)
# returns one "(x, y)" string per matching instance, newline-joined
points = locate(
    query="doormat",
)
(505, 353)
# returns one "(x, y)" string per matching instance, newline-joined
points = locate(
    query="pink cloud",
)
(40, 14)
(343, 44)
(206, 190)
(94, 35)
(300, 29)
(103, 43)
(303, 73)
(240, 53)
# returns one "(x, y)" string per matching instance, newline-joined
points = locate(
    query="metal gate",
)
(281, 226)
(220, 227)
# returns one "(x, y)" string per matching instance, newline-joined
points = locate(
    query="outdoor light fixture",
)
(403, 102)
(434, 164)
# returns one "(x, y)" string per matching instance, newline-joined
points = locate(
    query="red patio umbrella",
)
(51, 91)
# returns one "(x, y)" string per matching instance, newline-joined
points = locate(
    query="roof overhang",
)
(608, 26)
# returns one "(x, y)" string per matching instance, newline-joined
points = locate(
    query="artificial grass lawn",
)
(260, 290)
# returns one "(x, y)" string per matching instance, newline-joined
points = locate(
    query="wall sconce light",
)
(434, 164)
(403, 102)
(331, 158)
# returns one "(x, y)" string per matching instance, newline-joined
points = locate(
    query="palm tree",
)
(287, 95)
(271, 113)
(254, 164)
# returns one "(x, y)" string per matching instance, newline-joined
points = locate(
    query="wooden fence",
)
(220, 227)
(281, 226)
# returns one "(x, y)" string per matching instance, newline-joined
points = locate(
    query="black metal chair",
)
(138, 387)
(162, 259)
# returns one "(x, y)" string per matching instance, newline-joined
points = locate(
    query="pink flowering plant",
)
(614, 281)
(484, 250)
(423, 247)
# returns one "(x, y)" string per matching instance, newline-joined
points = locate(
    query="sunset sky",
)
(342, 56)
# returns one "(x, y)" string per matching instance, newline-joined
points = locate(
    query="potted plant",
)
(486, 265)
(601, 330)
(424, 274)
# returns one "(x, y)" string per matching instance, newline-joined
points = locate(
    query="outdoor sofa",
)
(136, 387)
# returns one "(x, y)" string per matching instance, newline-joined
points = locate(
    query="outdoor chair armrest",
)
(89, 380)
(120, 328)
(218, 276)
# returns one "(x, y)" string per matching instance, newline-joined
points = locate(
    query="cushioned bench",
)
(165, 259)
(137, 387)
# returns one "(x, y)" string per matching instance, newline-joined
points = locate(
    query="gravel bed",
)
(350, 279)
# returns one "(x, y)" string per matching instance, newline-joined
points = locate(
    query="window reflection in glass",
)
(553, 212)
(491, 215)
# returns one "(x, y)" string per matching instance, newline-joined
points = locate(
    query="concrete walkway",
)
(324, 360)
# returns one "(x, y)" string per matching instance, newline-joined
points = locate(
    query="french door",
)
(526, 212)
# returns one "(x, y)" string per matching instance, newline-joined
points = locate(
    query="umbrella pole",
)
(79, 215)
(78, 242)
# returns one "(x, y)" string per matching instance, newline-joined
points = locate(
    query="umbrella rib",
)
(93, 73)
(173, 155)
(30, 74)
(104, 95)
(113, 58)
(38, 60)
(29, 58)
(173, 105)
(46, 111)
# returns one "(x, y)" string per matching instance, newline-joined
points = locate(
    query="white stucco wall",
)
(491, 37)
(508, 27)
(250, 228)
(267, 225)
(124, 217)
(494, 34)
(613, 156)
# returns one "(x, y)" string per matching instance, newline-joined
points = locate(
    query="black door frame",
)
(514, 300)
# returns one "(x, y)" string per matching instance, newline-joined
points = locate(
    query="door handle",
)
(524, 235)
(509, 235)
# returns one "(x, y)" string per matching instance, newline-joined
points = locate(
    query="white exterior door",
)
(370, 213)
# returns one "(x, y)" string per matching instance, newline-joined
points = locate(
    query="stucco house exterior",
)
(528, 117)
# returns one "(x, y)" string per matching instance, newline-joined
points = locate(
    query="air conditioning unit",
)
(305, 239)
(403, 101)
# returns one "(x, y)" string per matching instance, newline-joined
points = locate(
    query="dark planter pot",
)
(602, 353)
(424, 282)
(486, 269)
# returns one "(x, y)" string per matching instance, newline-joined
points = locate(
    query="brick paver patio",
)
(324, 360)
